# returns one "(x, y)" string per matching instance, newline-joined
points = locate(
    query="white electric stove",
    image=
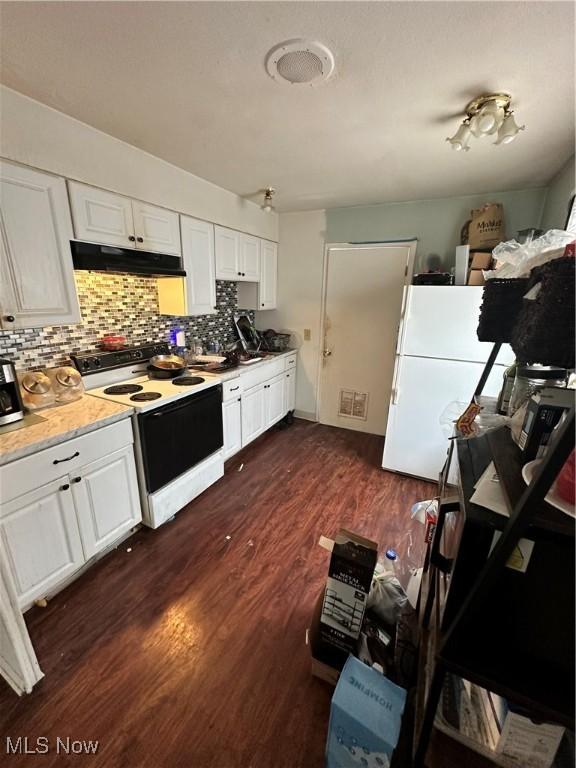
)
(177, 425)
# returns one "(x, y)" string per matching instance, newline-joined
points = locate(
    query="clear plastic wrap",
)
(517, 259)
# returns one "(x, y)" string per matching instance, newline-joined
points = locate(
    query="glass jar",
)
(532, 378)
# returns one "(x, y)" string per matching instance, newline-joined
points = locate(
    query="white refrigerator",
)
(439, 361)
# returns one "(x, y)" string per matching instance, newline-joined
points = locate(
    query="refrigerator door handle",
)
(395, 387)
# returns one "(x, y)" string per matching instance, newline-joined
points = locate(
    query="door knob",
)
(140, 239)
(9, 318)
(131, 238)
(327, 352)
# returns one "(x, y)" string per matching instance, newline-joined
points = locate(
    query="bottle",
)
(197, 347)
(390, 563)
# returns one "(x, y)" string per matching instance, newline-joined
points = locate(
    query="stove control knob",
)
(96, 362)
(85, 364)
(137, 354)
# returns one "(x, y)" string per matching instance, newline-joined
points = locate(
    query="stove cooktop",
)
(144, 393)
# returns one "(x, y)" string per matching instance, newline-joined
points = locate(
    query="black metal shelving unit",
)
(475, 613)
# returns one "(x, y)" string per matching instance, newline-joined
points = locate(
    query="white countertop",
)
(60, 423)
(234, 372)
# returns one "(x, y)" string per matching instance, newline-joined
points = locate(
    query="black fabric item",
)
(544, 332)
(501, 306)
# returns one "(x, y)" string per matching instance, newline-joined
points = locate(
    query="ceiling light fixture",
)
(487, 115)
(267, 205)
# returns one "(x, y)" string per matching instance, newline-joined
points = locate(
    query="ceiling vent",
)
(300, 62)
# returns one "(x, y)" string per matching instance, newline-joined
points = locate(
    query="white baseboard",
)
(307, 415)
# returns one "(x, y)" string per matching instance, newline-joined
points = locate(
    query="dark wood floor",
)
(189, 650)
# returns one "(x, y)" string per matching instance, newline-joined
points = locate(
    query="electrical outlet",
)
(307, 334)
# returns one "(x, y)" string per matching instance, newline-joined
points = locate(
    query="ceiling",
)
(186, 81)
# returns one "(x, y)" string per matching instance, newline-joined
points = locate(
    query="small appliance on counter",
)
(10, 401)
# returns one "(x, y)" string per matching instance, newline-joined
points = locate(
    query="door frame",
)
(412, 242)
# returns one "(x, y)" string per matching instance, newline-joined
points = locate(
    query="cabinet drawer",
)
(232, 389)
(290, 362)
(43, 467)
(264, 373)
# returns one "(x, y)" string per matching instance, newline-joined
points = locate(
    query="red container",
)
(566, 481)
(112, 343)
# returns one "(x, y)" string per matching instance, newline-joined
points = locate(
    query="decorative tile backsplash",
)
(119, 304)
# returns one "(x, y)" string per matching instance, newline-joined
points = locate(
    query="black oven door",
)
(177, 436)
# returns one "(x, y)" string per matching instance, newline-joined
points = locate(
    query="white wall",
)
(436, 224)
(34, 134)
(300, 269)
(558, 197)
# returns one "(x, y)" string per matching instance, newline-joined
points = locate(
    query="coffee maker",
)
(11, 408)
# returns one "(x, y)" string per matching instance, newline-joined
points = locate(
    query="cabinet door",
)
(41, 539)
(253, 414)
(249, 258)
(274, 399)
(156, 229)
(232, 420)
(106, 497)
(290, 390)
(267, 290)
(227, 248)
(100, 216)
(198, 256)
(36, 272)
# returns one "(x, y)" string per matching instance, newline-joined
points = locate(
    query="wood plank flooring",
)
(188, 651)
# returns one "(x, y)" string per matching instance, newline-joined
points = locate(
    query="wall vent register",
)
(353, 405)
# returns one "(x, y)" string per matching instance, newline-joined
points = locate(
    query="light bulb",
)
(459, 142)
(489, 118)
(267, 205)
(508, 130)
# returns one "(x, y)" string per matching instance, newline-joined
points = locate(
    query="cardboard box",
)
(480, 260)
(515, 736)
(365, 718)
(475, 277)
(348, 584)
(324, 671)
(486, 226)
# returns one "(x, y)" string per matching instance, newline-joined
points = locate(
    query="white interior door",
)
(363, 304)
(18, 663)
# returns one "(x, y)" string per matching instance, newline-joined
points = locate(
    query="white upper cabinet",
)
(227, 246)
(157, 229)
(194, 294)
(101, 216)
(268, 288)
(36, 272)
(249, 266)
(237, 256)
(105, 217)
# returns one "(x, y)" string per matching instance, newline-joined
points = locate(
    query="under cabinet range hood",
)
(107, 258)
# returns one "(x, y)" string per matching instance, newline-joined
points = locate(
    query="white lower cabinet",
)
(106, 498)
(290, 390)
(274, 400)
(253, 414)
(41, 539)
(232, 422)
(49, 532)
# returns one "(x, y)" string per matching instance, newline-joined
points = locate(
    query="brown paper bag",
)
(486, 226)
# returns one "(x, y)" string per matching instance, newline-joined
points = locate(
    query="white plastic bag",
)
(517, 259)
(387, 598)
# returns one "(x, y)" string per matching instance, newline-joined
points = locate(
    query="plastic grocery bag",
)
(387, 598)
(517, 259)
